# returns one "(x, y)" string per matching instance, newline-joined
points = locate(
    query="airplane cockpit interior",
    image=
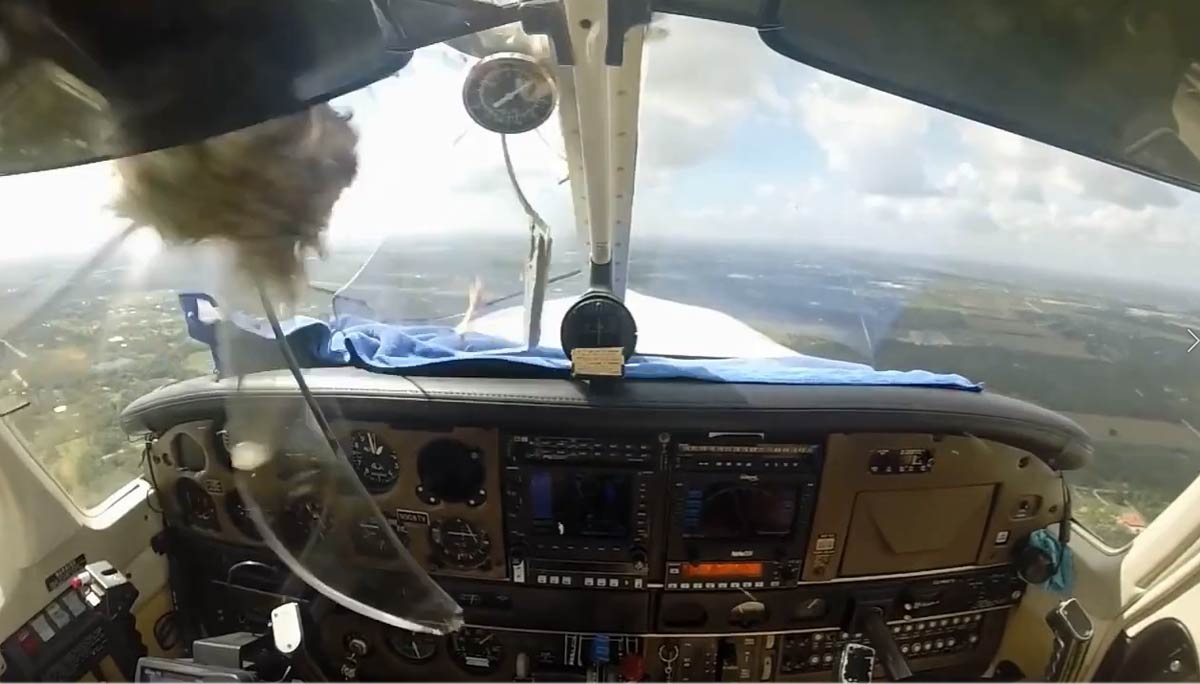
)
(599, 340)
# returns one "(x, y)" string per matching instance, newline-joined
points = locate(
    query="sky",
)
(736, 143)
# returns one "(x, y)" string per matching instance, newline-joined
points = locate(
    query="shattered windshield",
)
(430, 224)
(432, 219)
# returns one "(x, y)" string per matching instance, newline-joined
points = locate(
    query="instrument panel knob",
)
(632, 667)
(748, 614)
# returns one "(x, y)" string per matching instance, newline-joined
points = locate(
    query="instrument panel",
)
(667, 544)
(433, 488)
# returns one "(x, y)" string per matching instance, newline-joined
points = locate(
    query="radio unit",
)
(580, 510)
(706, 576)
(740, 513)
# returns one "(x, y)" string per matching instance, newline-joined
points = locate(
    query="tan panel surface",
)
(889, 534)
(1018, 477)
(487, 516)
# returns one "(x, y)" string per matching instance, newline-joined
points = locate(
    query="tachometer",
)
(413, 646)
(509, 93)
(375, 463)
(459, 543)
(477, 651)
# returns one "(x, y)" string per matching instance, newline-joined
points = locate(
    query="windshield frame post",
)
(537, 271)
(599, 123)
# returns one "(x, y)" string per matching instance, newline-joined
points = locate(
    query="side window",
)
(1140, 466)
(115, 334)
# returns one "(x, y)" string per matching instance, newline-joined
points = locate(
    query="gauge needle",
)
(509, 97)
(371, 442)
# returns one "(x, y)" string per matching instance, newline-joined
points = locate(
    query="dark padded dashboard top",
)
(636, 405)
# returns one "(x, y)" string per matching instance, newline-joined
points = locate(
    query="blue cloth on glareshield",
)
(417, 349)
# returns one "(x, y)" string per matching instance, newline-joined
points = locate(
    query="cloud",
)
(765, 189)
(61, 211)
(889, 172)
(1021, 168)
(736, 142)
(694, 96)
(869, 137)
(1107, 183)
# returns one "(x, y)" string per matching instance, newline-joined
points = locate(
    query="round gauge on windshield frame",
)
(509, 93)
(375, 463)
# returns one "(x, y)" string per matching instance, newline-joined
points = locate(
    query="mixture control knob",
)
(640, 561)
(632, 667)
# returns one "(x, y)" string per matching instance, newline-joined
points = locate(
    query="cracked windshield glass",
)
(834, 220)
